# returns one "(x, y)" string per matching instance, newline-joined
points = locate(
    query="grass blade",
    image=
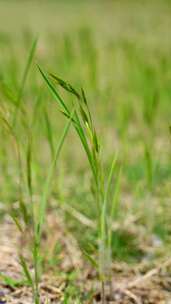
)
(49, 133)
(24, 78)
(54, 92)
(26, 271)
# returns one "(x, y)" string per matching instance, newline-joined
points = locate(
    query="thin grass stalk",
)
(23, 81)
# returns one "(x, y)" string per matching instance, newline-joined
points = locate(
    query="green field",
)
(85, 151)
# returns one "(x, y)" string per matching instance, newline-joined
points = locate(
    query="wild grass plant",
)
(105, 203)
(126, 108)
(32, 215)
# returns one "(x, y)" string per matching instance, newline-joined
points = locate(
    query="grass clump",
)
(105, 195)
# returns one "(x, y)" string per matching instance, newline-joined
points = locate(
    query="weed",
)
(83, 124)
